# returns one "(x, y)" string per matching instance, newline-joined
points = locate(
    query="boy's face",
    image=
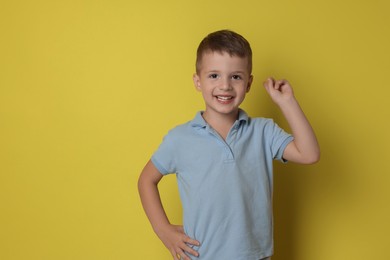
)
(223, 80)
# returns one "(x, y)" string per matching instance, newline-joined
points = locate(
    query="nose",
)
(225, 85)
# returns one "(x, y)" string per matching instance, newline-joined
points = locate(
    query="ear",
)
(248, 87)
(196, 80)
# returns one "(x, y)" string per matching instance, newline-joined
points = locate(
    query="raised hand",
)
(279, 90)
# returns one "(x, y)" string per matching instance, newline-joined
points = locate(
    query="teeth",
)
(224, 98)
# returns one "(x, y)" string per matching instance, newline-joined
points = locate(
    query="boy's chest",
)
(212, 168)
(207, 150)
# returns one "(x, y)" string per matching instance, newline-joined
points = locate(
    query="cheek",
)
(243, 88)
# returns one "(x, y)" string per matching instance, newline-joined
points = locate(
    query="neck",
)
(220, 122)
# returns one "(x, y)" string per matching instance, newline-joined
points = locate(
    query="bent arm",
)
(304, 148)
(150, 197)
(172, 236)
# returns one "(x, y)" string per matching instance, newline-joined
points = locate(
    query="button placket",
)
(228, 151)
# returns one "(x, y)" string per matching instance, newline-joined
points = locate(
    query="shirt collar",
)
(199, 121)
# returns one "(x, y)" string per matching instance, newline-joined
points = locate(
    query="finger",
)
(271, 82)
(175, 255)
(285, 86)
(279, 84)
(183, 256)
(268, 84)
(283, 82)
(190, 250)
(265, 85)
(191, 241)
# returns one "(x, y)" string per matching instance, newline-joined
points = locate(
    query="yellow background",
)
(89, 88)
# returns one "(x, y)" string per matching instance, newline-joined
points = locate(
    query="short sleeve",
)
(164, 158)
(279, 139)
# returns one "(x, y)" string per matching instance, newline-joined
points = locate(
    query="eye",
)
(236, 77)
(213, 76)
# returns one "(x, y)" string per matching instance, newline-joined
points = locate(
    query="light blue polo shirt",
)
(225, 186)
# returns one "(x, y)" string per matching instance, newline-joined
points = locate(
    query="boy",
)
(223, 160)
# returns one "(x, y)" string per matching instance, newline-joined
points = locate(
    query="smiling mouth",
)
(224, 98)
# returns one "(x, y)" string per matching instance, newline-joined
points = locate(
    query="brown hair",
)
(225, 41)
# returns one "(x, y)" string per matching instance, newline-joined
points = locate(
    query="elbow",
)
(140, 184)
(313, 158)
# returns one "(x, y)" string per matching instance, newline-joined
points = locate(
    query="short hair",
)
(225, 41)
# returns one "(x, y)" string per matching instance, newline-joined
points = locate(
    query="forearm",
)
(305, 141)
